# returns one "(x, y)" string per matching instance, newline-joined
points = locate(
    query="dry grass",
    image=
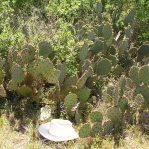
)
(11, 139)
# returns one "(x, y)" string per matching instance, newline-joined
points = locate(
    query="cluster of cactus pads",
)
(108, 68)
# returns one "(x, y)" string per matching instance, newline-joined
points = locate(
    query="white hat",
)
(58, 130)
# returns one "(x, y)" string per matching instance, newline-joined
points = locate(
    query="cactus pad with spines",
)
(24, 91)
(123, 47)
(143, 51)
(82, 80)
(83, 94)
(144, 90)
(107, 31)
(28, 54)
(85, 131)
(44, 48)
(134, 75)
(70, 101)
(107, 127)
(99, 7)
(17, 73)
(110, 89)
(83, 52)
(113, 59)
(122, 82)
(138, 102)
(63, 72)
(97, 46)
(144, 74)
(130, 17)
(103, 67)
(123, 104)
(96, 116)
(114, 114)
(96, 129)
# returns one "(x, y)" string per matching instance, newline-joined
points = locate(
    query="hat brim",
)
(44, 131)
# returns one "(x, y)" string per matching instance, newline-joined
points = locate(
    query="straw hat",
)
(58, 130)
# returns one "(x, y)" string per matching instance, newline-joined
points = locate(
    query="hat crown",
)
(60, 128)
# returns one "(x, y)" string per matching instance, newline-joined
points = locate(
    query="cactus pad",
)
(107, 31)
(97, 47)
(44, 48)
(143, 51)
(70, 101)
(122, 82)
(82, 80)
(107, 127)
(96, 129)
(104, 67)
(117, 71)
(24, 91)
(123, 104)
(83, 53)
(130, 17)
(138, 102)
(144, 74)
(134, 75)
(96, 117)
(114, 114)
(17, 74)
(144, 90)
(85, 131)
(83, 94)
(2, 91)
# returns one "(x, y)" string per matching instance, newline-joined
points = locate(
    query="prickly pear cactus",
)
(97, 46)
(107, 127)
(85, 131)
(83, 53)
(107, 31)
(17, 74)
(143, 51)
(28, 54)
(2, 91)
(138, 102)
(24, 91)
(130, 17)
(144, 74)
(99, 7)
(103, 67)
(114, 114)
(45, 49)
(96, 129)
(111, 89)
(70, 101)
(123, 104)
(144, 90)
(122, 82)
(82, 80)
(83, 94)
(96, 116)
(134, 75)
(123, 47)
(63, 73)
